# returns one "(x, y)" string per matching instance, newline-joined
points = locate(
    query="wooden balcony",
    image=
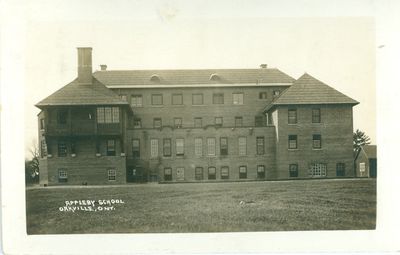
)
(83, 128)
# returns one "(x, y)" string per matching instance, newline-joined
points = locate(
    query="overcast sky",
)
(177, 34)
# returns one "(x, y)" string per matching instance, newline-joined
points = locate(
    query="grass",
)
(208, 207)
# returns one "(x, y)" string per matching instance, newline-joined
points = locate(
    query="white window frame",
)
(180, 146)
(318, 170)
(62, 173)
(237, 98)
(136, 101)
(112, 174)
(198, 147)
(154, 148)
(211, 146)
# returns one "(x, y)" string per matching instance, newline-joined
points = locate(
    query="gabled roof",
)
(308, 90)
(193, 77)
(369, 150)
(82, 94)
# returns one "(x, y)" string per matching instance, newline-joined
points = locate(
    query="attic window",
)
(155, 78)
(214, 77)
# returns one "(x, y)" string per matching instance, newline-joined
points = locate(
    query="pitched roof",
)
(308, 90)
(192, 76)
(369, 150)
(82, 94)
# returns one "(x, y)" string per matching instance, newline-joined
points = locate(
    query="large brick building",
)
(193, 125)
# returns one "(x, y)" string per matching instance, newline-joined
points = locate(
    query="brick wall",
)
(336, 130)
(251, 107)
(85, 166)
(189, 160)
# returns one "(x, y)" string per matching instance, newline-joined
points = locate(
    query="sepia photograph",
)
(180, 118)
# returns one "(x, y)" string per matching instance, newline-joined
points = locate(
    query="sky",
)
(340, 51)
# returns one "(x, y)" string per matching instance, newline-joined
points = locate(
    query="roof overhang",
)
(198, 85)
(273, 105)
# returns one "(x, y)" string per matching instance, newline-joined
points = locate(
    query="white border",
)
(385, 238)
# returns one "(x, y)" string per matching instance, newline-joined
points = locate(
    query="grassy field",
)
(208, 207)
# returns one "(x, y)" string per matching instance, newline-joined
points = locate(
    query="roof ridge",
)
(187, 69)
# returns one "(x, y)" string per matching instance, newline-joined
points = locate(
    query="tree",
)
(360, 139)
(32, 165)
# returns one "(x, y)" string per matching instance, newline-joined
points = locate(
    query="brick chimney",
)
(85, 65)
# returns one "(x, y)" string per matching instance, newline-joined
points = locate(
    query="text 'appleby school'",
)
(100, 205)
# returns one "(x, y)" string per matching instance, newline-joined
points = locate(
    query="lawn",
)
(206, 207)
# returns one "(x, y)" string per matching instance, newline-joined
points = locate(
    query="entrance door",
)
(180, 174)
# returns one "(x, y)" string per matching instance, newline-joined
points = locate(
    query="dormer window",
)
(155, 78)
(214, 77)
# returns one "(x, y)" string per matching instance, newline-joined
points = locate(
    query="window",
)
(340, 169)
(218, 98)
(292, 116)
(218, 121)
(277, 93)
(224, 172)
(73, 147)
(197, 99)
(136, 148)
(362, 168)
(198, 173)
(124, 97)
(260, 121)
(316, 141)
(177, 122)
(261, 172)
(198, 122)
(155, 78)
(260, 145)
(237, 98)
(242, 172)
(180, 146)
(43, 148)
(293, 170)
(180, 173)
(316, 115)
(223, 145)
(156, 99)
(292, 141)
(62, 149)
(100, 115)
(242, 146)
(167, 147)
(211, 146)
(136, 101)
(154, 148)
(198, 147)
(262, 95)
(137, 123)
(111, 174)
(111, 147)
(167, 174)
(317, 170)
(107, 114)
(157, 123)
(211, 173)
(41, 124)
(238, 121)
(62, 175)
(177, 99)
(115, 114)
(62, 117)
